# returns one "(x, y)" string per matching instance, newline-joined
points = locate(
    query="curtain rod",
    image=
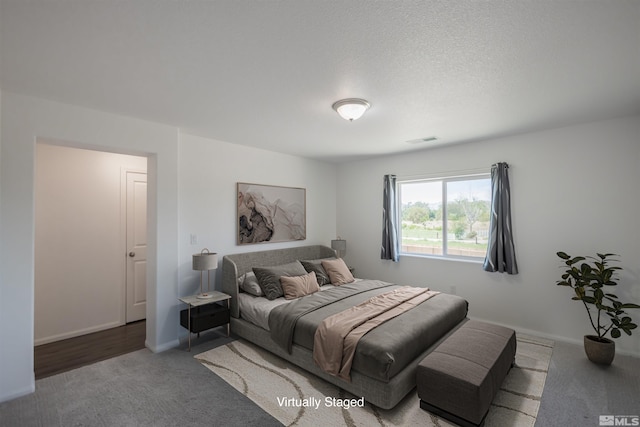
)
(506, 165)
(446, 174)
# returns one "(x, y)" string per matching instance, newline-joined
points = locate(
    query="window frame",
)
(445, 241)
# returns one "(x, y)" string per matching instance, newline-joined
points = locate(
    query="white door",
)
(136, 246)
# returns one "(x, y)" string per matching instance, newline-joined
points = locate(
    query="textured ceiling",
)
(265, 73)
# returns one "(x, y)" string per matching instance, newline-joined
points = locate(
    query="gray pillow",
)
(315, 265)
(269, 277)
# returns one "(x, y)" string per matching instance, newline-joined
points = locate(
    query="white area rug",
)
(272, 382)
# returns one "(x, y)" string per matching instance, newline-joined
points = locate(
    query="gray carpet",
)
(577, 391)
(137, 389)
(172, 388)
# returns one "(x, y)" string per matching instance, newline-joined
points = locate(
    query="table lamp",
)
(340, 246)
(205, 261)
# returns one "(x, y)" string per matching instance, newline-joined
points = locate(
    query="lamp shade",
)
(205, 261)
(339, 245)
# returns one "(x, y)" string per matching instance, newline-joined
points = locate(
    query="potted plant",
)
(591, 281)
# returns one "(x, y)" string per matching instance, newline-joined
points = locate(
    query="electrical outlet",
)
(453, 289)
(194, 239)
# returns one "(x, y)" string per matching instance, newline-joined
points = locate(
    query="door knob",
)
(132, 254)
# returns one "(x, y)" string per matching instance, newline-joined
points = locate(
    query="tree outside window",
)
(446, 217)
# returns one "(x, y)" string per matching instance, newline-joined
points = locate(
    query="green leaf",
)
(590, 300)
(606, 255)
(615, 333)
(626, 319)
(563, 255)
(630, 306)
(612, 296)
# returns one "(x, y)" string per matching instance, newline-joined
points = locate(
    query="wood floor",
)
(65, 355)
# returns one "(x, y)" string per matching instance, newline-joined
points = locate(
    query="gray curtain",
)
(390, 247)
(501, 255)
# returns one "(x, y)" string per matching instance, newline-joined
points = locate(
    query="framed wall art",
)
(268, 213)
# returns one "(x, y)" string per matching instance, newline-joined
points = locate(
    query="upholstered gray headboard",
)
(234, 266)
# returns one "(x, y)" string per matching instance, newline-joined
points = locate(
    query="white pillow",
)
(249, 283)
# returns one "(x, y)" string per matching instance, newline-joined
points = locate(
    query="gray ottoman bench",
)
(459, 379)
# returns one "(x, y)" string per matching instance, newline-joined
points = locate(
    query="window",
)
(445, 217)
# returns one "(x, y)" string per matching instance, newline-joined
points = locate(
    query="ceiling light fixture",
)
(351, 108)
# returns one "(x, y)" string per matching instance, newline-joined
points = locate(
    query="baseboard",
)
(77, 333)
(162, 347)
(22, 392)
(579, 342)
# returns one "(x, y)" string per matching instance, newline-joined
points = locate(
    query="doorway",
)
(82, 241)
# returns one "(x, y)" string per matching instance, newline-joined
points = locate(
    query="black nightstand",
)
(205, 313)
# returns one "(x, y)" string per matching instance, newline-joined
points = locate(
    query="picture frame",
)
(270, 213)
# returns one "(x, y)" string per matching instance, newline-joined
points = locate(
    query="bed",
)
(381, 382)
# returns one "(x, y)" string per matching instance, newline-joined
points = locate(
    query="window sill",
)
(443, 258)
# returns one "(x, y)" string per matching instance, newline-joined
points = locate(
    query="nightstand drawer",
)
(205, 317)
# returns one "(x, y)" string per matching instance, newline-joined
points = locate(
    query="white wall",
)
(24, 120)
(574, 189)
(209, 171)
(206, 207)
(79, 240)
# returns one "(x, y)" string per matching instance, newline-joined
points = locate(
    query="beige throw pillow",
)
(338, 271)
(299, 286)
(269, 277)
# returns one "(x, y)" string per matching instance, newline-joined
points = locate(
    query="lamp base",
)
(204, 296)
